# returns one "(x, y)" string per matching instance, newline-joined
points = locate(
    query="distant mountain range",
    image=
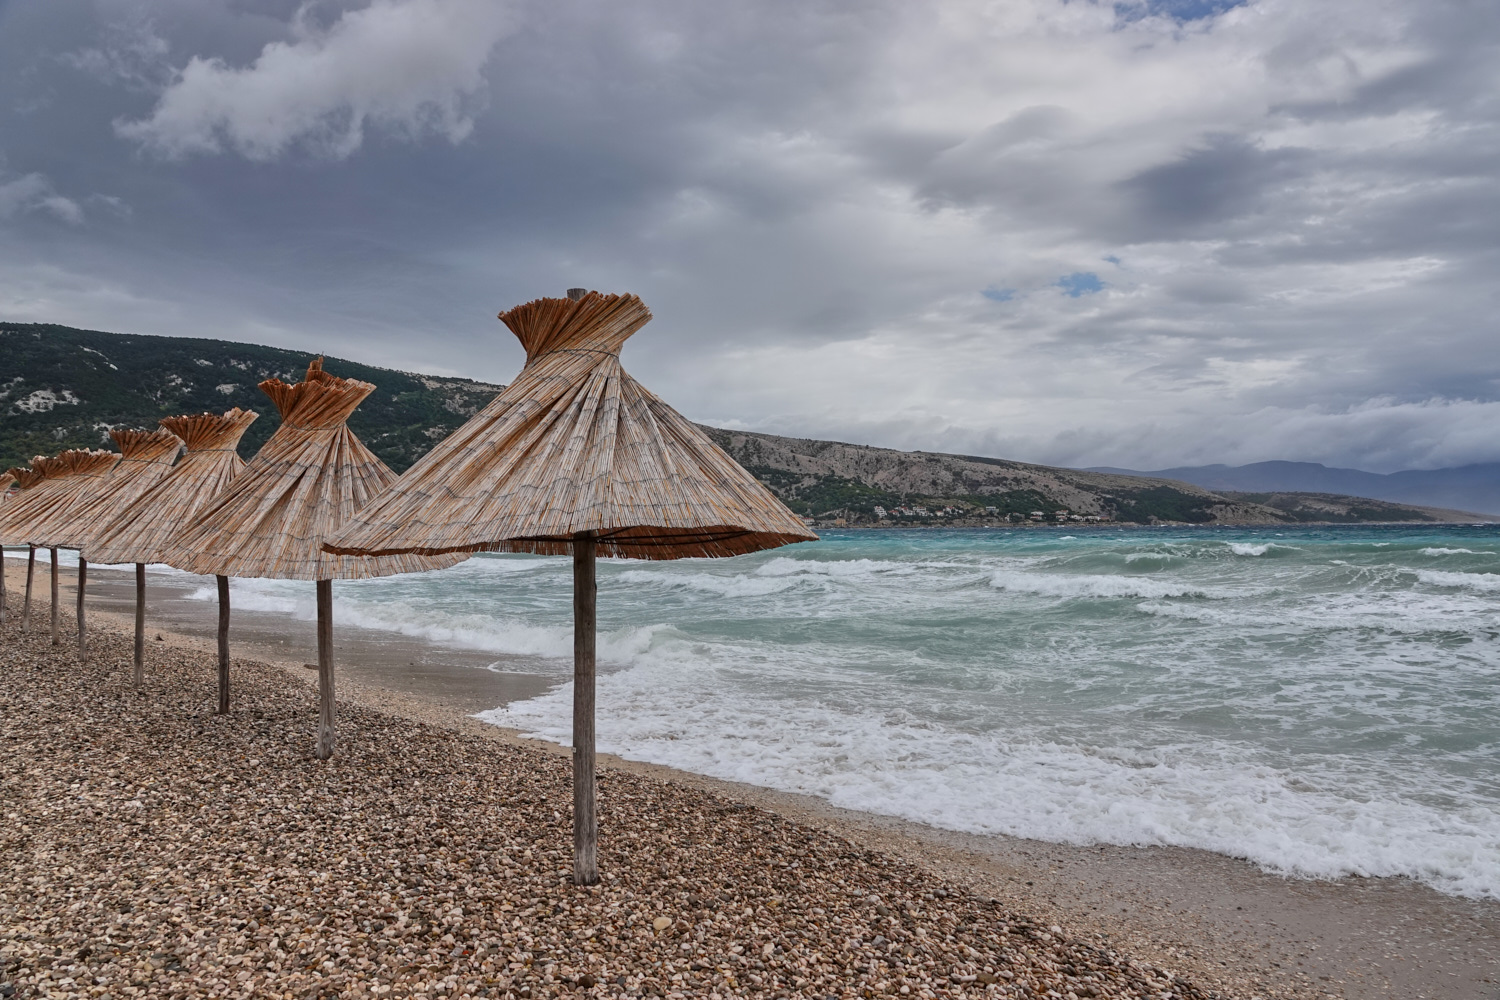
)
(1468, 487)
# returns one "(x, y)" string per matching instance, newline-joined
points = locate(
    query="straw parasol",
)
(576, 457)
(39, 516)
(6, 478)
(303, 485)
(145, 457)
(25, 478)
(145, 528)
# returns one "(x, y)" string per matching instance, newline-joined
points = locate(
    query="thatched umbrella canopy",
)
(303, 486)
(24, 478)
(39, 515)
(576, 456)
(143, 530)
(145, 457)
(6, 479)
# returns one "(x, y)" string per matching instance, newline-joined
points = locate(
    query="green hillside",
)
(65, 388)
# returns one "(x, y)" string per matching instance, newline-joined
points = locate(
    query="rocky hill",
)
(853, 484)
(65, 388)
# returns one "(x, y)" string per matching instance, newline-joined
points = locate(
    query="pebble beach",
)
(154, 849)
(150, 848)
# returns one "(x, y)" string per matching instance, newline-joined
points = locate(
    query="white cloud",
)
(409, 66)
(35, 193)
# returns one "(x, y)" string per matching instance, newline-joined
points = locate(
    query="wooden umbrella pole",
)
(2, 584)
(325, 669)
(55, 640)
(223, 645)
(83, 582)
(30, 572)
(585, 820)
(140, 624)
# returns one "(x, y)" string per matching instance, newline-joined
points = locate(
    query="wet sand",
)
(1219, 921)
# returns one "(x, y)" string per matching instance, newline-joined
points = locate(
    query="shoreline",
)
(1220, 921)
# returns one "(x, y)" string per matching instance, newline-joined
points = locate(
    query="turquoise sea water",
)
(1321, 701)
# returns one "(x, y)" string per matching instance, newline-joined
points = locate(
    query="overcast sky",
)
(1143, 234)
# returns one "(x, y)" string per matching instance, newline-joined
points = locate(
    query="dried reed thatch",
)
(143, 530)
(301, 488)
(6, 479)
(576, 457)
(24, 478)
(39, 515)
(145, 459)
(575, 444)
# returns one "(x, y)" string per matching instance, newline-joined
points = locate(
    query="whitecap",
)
(787, 566)
(1249, 548)
(1486, 582)
(711, 583)
(1096, 585)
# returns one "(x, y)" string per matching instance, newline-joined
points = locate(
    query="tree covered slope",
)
(65, 388)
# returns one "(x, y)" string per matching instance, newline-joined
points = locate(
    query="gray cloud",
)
(34, 193)
(1291, 208)
(1207, 190)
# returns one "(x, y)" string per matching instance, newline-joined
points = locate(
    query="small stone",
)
(661, 923)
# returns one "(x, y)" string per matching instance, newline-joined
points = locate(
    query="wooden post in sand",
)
(30, 572)
(325, 669)
(83, 582)
(585, 820)
(55, 641)
(2, 584)
(139, 674)
(223, 645)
